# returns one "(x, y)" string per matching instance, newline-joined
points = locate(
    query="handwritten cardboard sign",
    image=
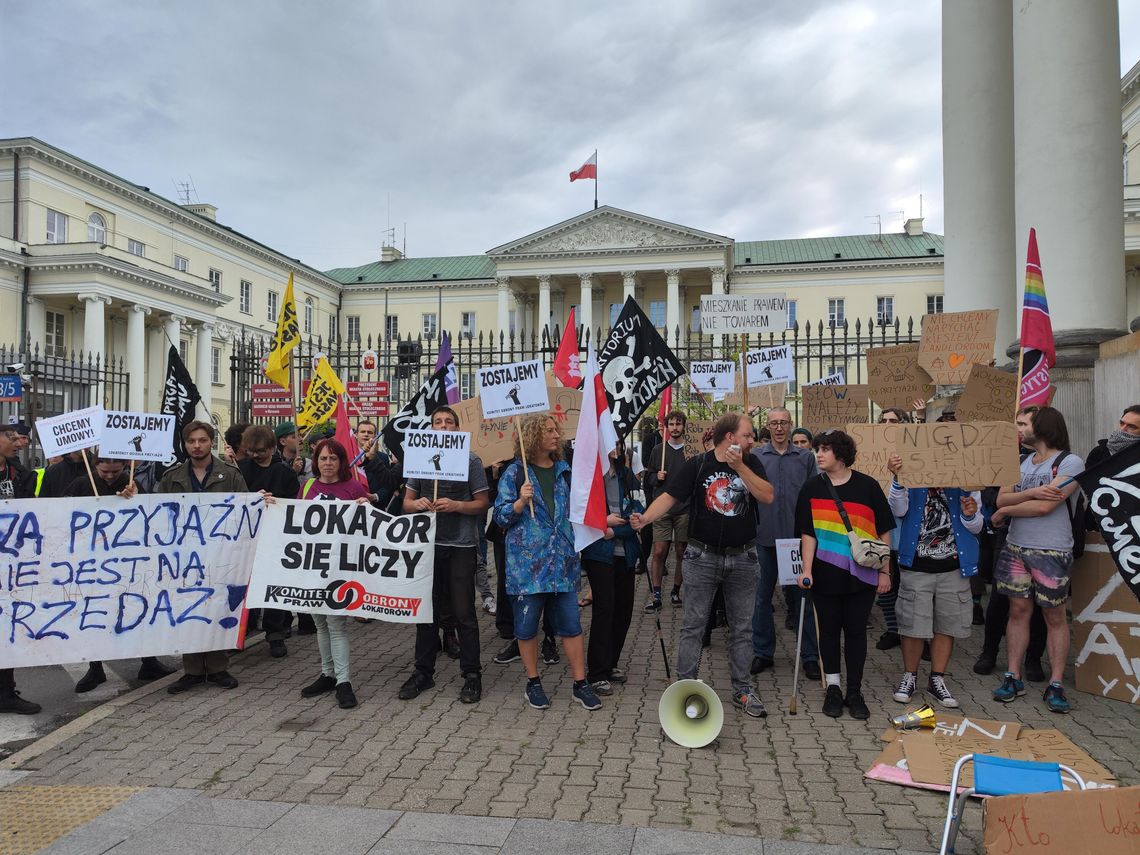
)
(990, 396)
(740, 313)
(952, 342)
(772, 395)
(694, 430)
(895, 378)
(1093, 822)
(1106, 627)
(958, 454)
(495, 439)
(874, 444)
(828, 407)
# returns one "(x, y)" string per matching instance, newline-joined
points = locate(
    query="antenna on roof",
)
(187, 192)
(878, 218)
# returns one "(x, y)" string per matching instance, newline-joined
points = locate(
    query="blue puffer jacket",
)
(603, 550)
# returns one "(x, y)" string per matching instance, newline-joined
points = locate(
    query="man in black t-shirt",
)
(723, 487)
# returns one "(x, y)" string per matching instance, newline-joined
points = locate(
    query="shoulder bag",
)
(867, 551)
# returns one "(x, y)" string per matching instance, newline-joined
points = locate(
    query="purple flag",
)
(451, 383)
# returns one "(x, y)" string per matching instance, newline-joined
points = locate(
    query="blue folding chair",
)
(999, 776)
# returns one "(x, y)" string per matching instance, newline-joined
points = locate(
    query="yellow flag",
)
(324, 392)
(288, 336)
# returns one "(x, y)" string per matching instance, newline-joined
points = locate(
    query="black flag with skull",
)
(636, 366)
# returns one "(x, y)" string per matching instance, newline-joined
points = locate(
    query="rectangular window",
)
(792, 314)
(467, 324)
(184, 350)
(182, 265)
(615, 311)
(353, 322)
(512, 321)
(136, 247)
(53, 336)
(216, 365)
(272, 306)
(695, 319)
(309, 316)
(245, 297)
(56, 227)
(835, 312)
(332, 328)
(429, 324)
(216, 279)
(391, 327)
(657, 313)
(933, 304)
(885, 311)
(467, 385)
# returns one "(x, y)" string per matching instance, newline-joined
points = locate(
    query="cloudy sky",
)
(304, 122)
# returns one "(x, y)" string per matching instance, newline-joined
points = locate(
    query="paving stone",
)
(176, 838)
(541, 837)
(481, 831)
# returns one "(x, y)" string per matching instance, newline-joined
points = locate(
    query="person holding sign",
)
(938, 555)
(460, 508)
(842, 590)
(723, 488)
(543, 570)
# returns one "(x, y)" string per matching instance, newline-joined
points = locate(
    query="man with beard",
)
(662, 468)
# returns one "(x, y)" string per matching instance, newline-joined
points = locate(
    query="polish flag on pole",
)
(566, 367)
(589, 169)
(596, 439)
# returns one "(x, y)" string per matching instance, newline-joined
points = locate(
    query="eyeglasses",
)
(779, 424)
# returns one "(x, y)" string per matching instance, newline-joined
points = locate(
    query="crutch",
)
(799, 646)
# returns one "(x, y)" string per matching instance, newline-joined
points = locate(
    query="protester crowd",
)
(924, 555)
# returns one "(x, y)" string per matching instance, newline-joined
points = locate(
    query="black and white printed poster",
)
(636, 366)
(1113, 492)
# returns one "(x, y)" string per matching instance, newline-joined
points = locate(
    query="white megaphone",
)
(691, 714)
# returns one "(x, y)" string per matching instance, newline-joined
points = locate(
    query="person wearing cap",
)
(23, 436)
(288, 449)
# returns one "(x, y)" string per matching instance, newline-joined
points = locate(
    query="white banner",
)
(835, 379)
(789, 562)
(513, 389)
(769, 365)
(437, 455)
(70, 431)
(341, 558)
(716, 376)
(108, 578)
(137, 436)
(738, 313)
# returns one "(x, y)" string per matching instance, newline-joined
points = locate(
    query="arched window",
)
(96, 228)
(308, 315)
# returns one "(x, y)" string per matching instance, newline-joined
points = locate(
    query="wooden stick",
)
(434, 492)
(1020, 368)
(90, 474)
(522, 456)
(131, 477)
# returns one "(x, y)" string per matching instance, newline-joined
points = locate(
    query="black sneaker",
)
(985, 664)
(760, 664)
(550, 651)
(10, 701)
(1033, 672)
(811, 671)
(152, 668)
(185, 682)
(510, 653)
(345, 697)
(224, 679)
(979, 615)
(888, 640)
(854, 702)
(472, 691)
(94, 677)
(319, 686)
(277, 649)
(451, 643)
(414, 685)
(833, 702)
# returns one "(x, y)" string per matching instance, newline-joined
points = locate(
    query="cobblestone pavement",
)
(783, 778)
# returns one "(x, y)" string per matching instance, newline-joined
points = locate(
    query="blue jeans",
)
(763, 621)
(561, 608)
(703, 572)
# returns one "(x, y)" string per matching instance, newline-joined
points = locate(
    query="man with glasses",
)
(788, 469)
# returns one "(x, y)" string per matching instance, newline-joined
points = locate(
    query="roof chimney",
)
(913, 227)
(390, 253)
(203, 209)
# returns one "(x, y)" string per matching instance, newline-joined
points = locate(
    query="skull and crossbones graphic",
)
(620, 373)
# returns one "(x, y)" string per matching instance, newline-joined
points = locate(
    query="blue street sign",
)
(11, 389)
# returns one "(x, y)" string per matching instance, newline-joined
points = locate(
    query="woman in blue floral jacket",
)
(543, 570)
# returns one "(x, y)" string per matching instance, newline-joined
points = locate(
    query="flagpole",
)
(595, 179)
(1020, 368)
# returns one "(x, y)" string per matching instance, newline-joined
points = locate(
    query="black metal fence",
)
(818, 350)
(53, 384)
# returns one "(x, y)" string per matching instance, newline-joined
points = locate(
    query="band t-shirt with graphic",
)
(936, 550)
(722, 513)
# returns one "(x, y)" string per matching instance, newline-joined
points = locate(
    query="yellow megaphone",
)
(923, 717)
(691, 714)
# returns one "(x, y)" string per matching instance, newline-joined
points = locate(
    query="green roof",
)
(441, 269)
(845, 248)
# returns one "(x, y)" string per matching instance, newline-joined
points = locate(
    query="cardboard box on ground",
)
(1093, 822)
(1106, 627)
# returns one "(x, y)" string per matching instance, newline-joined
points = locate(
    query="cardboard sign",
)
(765, 397)
(990, 396)
(694, 431)
(835, 379)
(1093, 822)
(713, 376)
(71, 431)
(828, 407)
(790, 564)
(137, 436)
(874, 444)
(769, 365)
(738, 313)
(952, 342)
(1106, 627)
(495, 439)
(895, 378)
(437, 455)
(513, 389)
(958, 454)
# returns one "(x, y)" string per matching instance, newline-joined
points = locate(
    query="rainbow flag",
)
(1038, 353)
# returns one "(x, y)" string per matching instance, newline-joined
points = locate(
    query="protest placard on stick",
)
(952, 342)
(137, 436)
(990, 395)
(437, 455)
(828, 407)
(895, 377)
(513, 389)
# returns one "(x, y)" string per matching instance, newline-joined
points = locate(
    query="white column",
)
(157, 348)
(173, 328)
(202, 378)
(94, 325)
(586, 301)
(628, 284)
(672, 303)
(504, 292)
(977, 151)
(544, 303)
(37, 323)
(717, 276)
(136, 356)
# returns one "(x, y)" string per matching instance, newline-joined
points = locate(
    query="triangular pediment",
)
(609, 229)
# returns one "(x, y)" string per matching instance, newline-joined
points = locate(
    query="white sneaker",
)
(937, 687)
(489, 605)
(906, 688)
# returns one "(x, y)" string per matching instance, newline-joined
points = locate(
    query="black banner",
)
(179, 398)
(636, 366)
(416, 414)
(1113, 491)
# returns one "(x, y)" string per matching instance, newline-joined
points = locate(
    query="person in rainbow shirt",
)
(842, 591)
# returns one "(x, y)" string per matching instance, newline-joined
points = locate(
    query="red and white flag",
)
(589, 169)
(596, 438)
(566, 366)
(666, 406)
(347, 438)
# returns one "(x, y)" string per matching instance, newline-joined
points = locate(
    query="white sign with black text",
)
(769, 365)
(715, 376)
(437, 455)
(69, 432)
(137, 436)
(513, 389)
(835, 379)
(789, 563)
(738, 313)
